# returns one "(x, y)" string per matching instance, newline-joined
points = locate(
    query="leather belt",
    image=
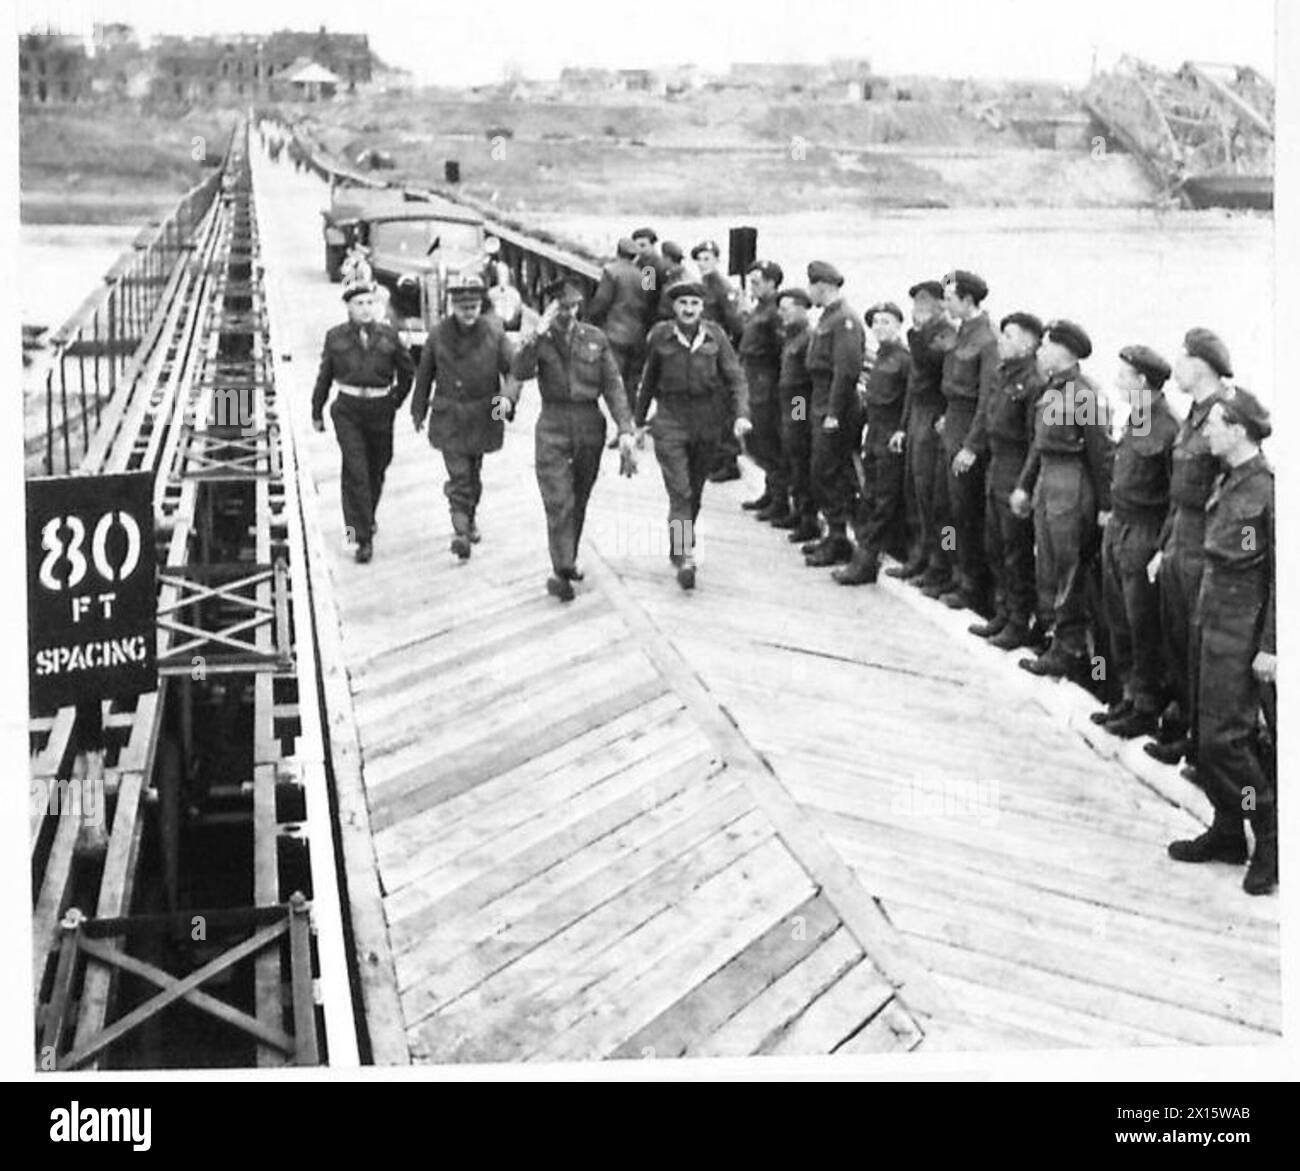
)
(362, 391)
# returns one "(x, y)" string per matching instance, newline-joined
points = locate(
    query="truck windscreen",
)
(411, 239)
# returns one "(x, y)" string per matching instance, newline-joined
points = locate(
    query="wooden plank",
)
(891, 1030)
(839, 1012)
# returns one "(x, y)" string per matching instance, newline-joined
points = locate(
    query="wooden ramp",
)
(774, 816)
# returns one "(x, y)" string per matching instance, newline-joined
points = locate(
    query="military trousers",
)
(464, 487)
(1132, 609)
(764, 441)
(927, 472)
(364, 430)
(1009, 541)
(1179, 583)
(569, 441)
(964, 498)
(686, 452)
(796, 447)
(834, 480)
(881, 517)
(1065, 528)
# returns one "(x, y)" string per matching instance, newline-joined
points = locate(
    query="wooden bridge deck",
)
(774, 816)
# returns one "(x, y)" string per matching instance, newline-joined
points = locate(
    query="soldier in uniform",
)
(760, 356)
(623, 309)
(1068, 470)
(676, 268)
(721, 305)
(1199, 371)
(881, 516)
(928, 341)
(692, 373)
(575, 368)
(835, 353)
(968, 372)
(1139, 497)
(1236, 617)
(366, 361)
(794, 388)
(654, 266)
(466, 364)
(1004, 422)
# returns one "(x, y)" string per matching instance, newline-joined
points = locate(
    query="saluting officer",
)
(466, 363)
(1068, 471)
(794, 390)
(1237, 616)
(760, 357)
(1139, 497)
(1005, 423)
(366, 361)
(692, 373)
(1199, 371)
(835, 362)
(575, 368)
(879, 528)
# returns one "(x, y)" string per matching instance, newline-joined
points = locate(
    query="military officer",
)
(721, 305)
(366, 361)
(466, 364)
(968, 372)
(653, 264)
(1068, 470)
(1199, 371)
(794, 388)
(1139, 497)
(1004, 422)
(694, 377)
(760, 356)
(928, 340)
(1236, 615)
(835, 353)
(879, 527)
(623, 309)
(575, 368)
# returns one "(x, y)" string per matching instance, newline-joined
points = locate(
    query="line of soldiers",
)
(982, 460)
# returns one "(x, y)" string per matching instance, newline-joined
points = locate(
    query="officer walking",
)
(622, 308)
(372, 370)
(879, 528)
(760, 357)
(693, 374)
(575, 368)
(1139, 497)
(1005, 422)
(794, 390)
(835, 353)
(1236, 615)
(466, 364)
(1069, 472)
(1199, 371)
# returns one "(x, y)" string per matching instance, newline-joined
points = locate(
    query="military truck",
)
(418, 249)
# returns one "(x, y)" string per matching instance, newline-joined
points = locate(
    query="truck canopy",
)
(352, 204)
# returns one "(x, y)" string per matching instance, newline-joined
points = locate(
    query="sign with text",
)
(91, 588)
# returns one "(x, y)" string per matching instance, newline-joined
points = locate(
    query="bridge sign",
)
(91, 588)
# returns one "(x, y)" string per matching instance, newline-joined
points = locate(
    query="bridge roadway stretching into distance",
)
(650, 824)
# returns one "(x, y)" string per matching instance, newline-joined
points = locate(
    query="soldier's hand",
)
(896, 441)
(938, 425)
(1153, 566)
(317, 423)
(1265, 667)
(963, 461)
(547, 319)
(742, 428)
(1019, 503)
(1103, 517)
(830, 423)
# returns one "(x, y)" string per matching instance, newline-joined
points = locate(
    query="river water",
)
(1126, 275)
(61, 264)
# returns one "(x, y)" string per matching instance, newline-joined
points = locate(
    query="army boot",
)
(758, 503)
(460, 542)
(934, 583)
(1113, 712)
(474, 535)
(560, 587)
(1224, 841)
(1131, 724)
(806, 529)
(863, 569)
(1012, 637)
(995, 625)
(364, 552)
(686, 573)
(912, 567)
(834, 550)
(1261, 874)
(1170, 753)
(776, 512)
(1053, 663)
(727, 470)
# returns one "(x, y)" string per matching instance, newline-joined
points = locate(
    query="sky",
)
(472, 41)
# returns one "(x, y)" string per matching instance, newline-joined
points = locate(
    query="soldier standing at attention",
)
(928, 341)
(654, 267)
(1005, 422)
(1237, 616)
(466, 364)
(693, 374)
(366, 361)
(575, 368)
(835, 353)
(721, 305)
(1199, 371)
(760, 356)
(1139, 497)
(794, 389)
(968, 372)
(622, 310)
(1068, 470)
(881, 516)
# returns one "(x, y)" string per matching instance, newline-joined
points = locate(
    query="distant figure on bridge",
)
(465, 386)
(722, 306)
(575, 368)
(622, 309)
(760, 355)
(371, 369)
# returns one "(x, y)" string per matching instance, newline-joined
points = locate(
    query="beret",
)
(1208, 346)
(768, 269)
(930, 288)
(1146, 361)
(884, 307)
(356, 289)
(706, 246)
(821, 270)
(968, 284)
(1026, 321)
(1069, 335)
(626, 246)
(466, 285)
(646, 233)
(686, 289)
(797, 294)
(1242, 407)
(672, 250)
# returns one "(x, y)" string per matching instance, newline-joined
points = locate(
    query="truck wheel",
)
(334, 262)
